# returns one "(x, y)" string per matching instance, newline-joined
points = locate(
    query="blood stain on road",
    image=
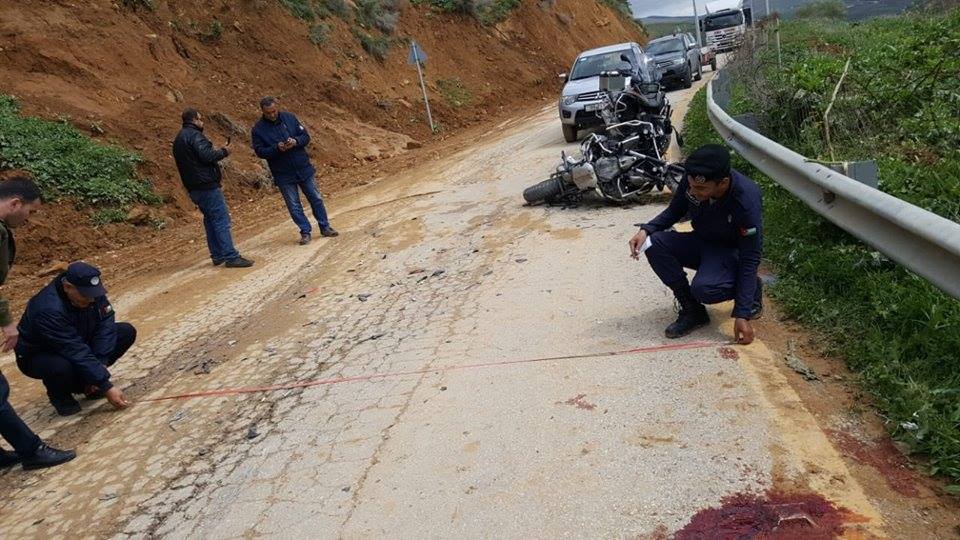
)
(883, 456)
(729, 353)
(775, 515)
(579, 402)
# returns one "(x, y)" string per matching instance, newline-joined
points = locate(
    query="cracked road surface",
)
(437, 268)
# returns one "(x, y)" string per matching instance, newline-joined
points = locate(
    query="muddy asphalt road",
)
(434, 409)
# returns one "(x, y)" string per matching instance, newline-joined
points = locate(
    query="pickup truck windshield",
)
(591, 66)
(723, 21)
(664, 47)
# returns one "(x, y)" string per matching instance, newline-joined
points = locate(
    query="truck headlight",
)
(677, 61)
(569, 100)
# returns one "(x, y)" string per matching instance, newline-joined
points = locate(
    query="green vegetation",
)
(137, 4)
(311, 10)
(319, 33)
(899, 104)
(68, 164)
(823, 9)
(108, 215)
(379, 14)
(665, 29)
(376, 46)
(454, 92)
(488, 12)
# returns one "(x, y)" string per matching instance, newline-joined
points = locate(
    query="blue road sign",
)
(416, 55)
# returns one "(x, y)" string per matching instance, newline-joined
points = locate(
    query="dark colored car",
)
(677, 57)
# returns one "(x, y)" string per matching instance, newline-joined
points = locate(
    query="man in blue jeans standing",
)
(199, 166)
(281, 139)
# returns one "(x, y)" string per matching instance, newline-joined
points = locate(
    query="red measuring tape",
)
(362, 378)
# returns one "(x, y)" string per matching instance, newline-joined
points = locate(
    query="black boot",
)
(8, 458)
(692, 315)
(47, 456)
(65, 405)
(757, 310)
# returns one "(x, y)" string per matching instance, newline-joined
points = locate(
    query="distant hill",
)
(856, 10)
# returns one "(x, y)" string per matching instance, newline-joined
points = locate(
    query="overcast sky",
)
(675, 8)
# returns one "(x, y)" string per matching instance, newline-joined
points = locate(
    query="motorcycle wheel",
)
(544, 191)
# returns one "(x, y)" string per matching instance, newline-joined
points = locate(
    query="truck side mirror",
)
(563, 77)
(626, 58)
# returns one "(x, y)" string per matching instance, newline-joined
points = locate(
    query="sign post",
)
(418, 58)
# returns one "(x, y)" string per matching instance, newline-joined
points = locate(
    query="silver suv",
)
(580, 98)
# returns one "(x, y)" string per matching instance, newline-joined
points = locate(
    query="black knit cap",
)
(711, 161)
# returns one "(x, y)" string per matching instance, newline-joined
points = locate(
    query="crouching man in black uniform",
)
(69, 337)
(724, 248)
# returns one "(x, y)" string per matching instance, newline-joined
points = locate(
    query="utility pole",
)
(696, 24)
(767, 13)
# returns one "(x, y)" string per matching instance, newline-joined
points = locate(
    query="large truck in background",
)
(723, 29)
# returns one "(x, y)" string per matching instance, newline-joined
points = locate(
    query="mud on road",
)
(440, 267)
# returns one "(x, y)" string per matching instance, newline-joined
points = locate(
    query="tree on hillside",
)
(822, 9)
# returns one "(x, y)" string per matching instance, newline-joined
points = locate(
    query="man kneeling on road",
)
(69, 337)
(724, 247)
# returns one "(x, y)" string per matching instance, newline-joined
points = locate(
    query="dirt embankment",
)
(124, 75)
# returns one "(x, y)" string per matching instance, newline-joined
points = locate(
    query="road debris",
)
(252, 433)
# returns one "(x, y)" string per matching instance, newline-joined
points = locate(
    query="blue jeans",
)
(216, 223)
(291, 196)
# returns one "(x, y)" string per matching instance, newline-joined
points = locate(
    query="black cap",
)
(86, 278)
(711, 161)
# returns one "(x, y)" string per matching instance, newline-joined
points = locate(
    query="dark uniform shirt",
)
(292, 166)
(734, 221)
(85, 336)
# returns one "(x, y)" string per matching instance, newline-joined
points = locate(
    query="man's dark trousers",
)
(216, 223)
(58, 373)
(12, 428)
(716, 278)
(291, 196)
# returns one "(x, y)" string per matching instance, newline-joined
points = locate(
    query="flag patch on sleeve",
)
(748, 232)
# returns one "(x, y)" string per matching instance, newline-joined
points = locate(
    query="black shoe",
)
(689, 320)
(328, 231)
(47, 456)
(239, 262)
(65, 406)
(304, 239)
(218, 263)
(8, 458)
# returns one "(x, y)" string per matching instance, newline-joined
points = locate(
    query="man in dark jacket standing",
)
(281, 139)
(724, 248)
(69, 336)
(199, 166)
(19, 198)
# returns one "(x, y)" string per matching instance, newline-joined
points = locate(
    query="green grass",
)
(900, 333)
(454, 92)
(68, 164)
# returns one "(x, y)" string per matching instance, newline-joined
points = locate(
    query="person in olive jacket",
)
(199, 166)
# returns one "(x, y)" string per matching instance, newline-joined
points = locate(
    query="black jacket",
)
(86, 337)
(197, 160)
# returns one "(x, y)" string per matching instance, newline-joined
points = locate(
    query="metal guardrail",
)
(920, 240)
